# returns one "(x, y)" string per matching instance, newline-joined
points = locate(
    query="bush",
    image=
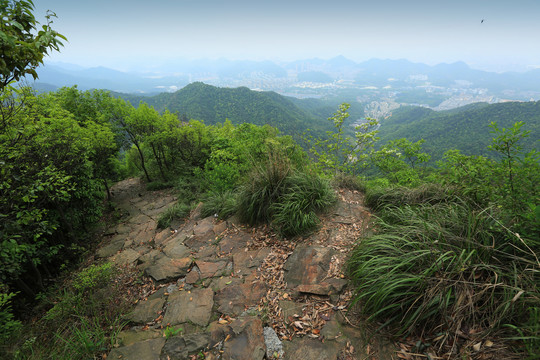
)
(223, 204)
(305, 196)
(350, 182)
(443, 263)
(264, 186)
(9, 324)
(379, 197)
(288, 199)
(177, 211)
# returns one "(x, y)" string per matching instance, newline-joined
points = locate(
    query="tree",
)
(340, 153)
(22, 44)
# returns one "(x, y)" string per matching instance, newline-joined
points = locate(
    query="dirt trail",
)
(237, 292)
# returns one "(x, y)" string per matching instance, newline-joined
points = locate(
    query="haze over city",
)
(139, 35)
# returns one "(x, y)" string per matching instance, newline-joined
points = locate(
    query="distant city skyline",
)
(128, 35)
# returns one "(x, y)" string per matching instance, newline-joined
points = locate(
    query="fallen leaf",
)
(298, 324)
(476, 347)
(488, 343)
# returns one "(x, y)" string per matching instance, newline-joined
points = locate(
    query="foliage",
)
(339, 152)
(221, 204)
(289, 199)
(466, 129)
(84, 321)
(177, 211)
(171, 331)
(9, 324)
(305, 196)
(22, 43)
(350, 182)
(443, 263)
(398, 160)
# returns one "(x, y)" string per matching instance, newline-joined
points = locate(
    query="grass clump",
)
(84, 320)
(443, 267)
(305, 196)
(347, 181)
(177, 211)
(223, 204)
(288, 199)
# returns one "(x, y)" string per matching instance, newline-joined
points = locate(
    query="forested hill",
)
(240, 105)
(466, 128)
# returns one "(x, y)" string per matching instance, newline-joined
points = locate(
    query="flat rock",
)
(129, 337)
(194, 306)
(181, 347)
(210, 269)
(126, 257)
(220, 283)
(112, 248)
(176, 249)
(233, 242)
(247, 342)
(166, 268)
(219, 228)
(245, 262)
(143, 350)
(204, 226)
(330, 286)
(196, 242)
(305, 348)
(146, 311)
(307, 265)
(233, 300)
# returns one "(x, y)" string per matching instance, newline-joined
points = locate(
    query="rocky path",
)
(224, 291)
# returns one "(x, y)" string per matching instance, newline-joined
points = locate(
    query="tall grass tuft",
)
(439, 261)
(379, 197)
(177, 211)
(264, 186)
(288, 199)
(305, 196)
(223, 204)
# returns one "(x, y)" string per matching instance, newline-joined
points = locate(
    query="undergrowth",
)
(83, 320)
(439, 265)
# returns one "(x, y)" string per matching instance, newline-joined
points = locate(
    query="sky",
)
(142, 34)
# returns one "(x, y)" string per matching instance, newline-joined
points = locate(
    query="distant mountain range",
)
(375, 73)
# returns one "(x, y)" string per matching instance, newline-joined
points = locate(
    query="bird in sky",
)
(481, 22)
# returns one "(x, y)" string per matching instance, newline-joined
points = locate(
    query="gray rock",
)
(129, 337)
(307, 265)
(274, 347)
(304, 348)
(143, 350)
(146, 311)
(111, 249)
(166, 268)
(194, 306)
(126, 257)
(175, 249)
(247, 342)
(234, 299)
(180, 347)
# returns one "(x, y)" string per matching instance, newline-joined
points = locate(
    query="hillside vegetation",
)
(466, 128)
(214, 105)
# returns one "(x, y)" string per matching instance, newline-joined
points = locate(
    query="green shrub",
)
(443, 263)
(305, 195)
(223, 204)
(158, 185)
(351, 182)
(9, 324)
(264, 186)
(379, 197)
(177, 211)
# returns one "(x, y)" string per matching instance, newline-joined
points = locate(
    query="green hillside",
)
(466, 128)
(240, 105)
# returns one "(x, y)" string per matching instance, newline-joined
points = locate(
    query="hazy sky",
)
(123, 34)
